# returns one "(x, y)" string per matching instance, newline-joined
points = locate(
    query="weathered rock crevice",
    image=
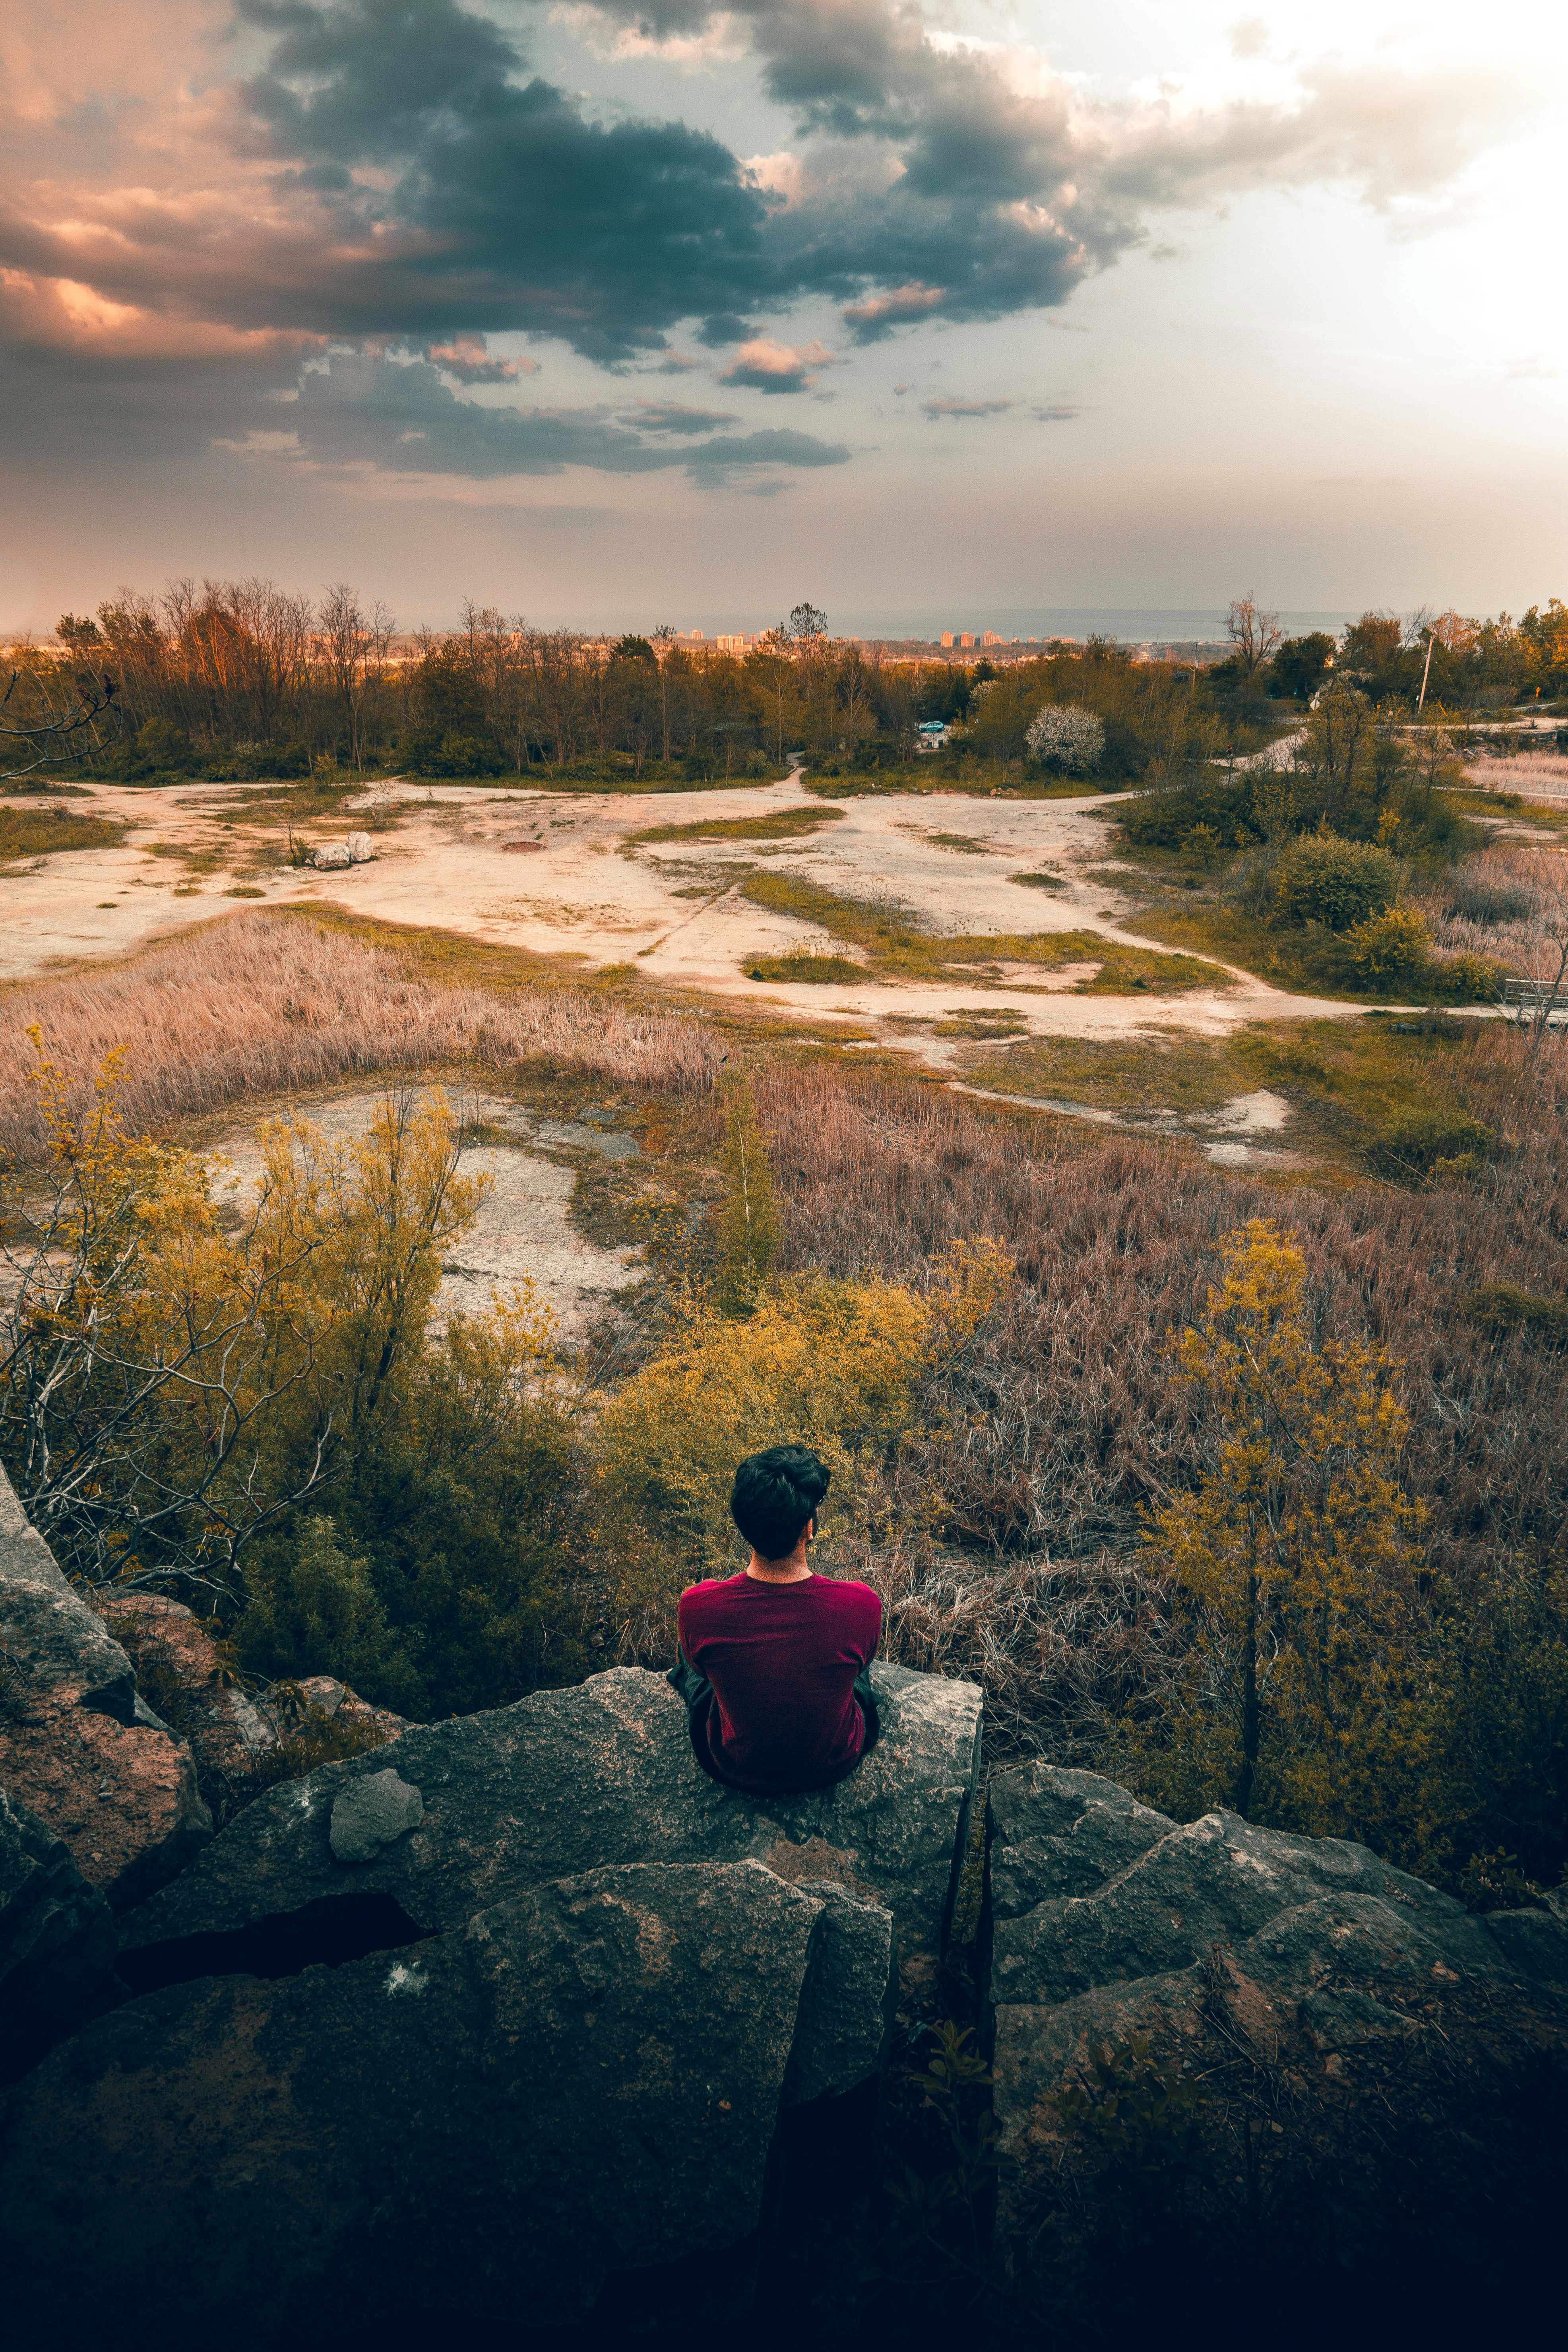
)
(322, 1934)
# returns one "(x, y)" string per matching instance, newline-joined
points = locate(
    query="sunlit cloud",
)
(767, 366)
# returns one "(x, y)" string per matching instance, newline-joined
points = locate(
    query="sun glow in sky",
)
(651, 309)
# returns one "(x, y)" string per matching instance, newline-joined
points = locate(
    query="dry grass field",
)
(259, 1006)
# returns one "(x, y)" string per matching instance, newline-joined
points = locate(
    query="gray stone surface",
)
(1056, 1832)
(1112, 1922)
(25, 1557)
(78, 1747)
(582, 2078)
(846, 2010)
(1217, 1880)
(572, 1135)
(568, 1780)
(370, 1813)
(57, 1941)
(64, 1646)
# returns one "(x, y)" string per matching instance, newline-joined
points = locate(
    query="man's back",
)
(782, 1658)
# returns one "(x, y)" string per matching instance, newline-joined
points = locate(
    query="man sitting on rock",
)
(774, 1663)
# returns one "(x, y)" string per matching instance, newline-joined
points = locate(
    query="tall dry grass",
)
(1059, 1425)
(1537, 775)
(259, 1006)
(1490, 905)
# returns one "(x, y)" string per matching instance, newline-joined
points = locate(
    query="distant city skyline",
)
(661, 307)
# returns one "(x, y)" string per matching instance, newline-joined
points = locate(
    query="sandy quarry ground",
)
(580, 889)
(559, 874)
(522, 1233)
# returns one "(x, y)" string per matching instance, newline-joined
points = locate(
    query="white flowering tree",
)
(1066, 736)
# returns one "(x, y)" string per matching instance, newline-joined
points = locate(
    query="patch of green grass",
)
(450, 956)
(1502, 1306)
(1040, 881)
(616, 774)
(769, 824)
(1146, 1070)
(964, 842)
(1309, 963)
(244, 890)
(41, 832)
(820, 971)
(897, 948)
(1369, 1095)
(1366, 1099)
(318, 798)
(980, 1021)
(1509, 808)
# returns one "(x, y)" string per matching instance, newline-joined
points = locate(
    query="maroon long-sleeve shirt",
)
(782, 1660)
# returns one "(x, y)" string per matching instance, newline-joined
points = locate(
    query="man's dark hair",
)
(776, 1493)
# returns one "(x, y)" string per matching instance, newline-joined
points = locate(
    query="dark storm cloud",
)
(392, 177)
(488, 201)
(494, 203)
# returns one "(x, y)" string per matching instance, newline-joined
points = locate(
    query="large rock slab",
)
(61, 1645)
(1303, 1974)
(568, 1780)
(77, 1745)
(25, 1557)
(582, 2078)
(57, 1941)
(1119, 1892)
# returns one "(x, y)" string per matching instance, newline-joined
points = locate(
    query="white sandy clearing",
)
(1221, 1131)
(674, 909)
(522, 1231)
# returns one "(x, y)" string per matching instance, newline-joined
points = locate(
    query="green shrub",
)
(158, 749)
(429, 752)
(312, 1609)
(1498, 1774)
(1417, 1144)
(1391, 946)
(1164, 818)
(1468, 979)
(1502, 1306)
(1339, 883)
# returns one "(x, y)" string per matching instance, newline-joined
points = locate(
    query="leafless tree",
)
(354, 644)
(1254, 635)
(45, 728)
(661, 640)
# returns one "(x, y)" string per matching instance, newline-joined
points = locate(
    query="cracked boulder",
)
(568, 1780)
(78, 1747)
(583, 2077)
(180, 1671)
(1291, 1980)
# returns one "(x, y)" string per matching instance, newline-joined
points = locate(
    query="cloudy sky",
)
(669, 312)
